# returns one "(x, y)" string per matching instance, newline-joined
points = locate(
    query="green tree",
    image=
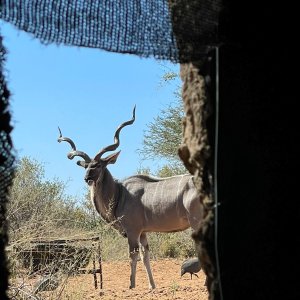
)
(164, 135)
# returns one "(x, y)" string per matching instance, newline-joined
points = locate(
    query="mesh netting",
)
(6, 170)
(173, 30)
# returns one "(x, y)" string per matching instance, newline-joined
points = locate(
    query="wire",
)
(216, 171)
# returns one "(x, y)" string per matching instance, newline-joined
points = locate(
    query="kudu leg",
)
(145, 254)
(133, 254)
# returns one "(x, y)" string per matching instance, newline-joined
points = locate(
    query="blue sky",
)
(88, 93)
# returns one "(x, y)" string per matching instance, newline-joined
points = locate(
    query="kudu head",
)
(95, 167)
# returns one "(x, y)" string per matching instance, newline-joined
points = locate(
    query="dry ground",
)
(166, 273)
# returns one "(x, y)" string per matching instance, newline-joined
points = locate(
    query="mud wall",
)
(256, 154)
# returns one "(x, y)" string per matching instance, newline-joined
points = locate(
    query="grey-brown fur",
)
(139, 204)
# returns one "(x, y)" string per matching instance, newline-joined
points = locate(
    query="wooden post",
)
(94, 273)
(100, 266)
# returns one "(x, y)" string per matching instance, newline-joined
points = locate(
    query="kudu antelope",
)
(140, 203)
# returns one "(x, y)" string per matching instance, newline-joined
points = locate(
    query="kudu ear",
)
(111, 159)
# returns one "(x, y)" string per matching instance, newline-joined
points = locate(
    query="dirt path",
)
(166, 274)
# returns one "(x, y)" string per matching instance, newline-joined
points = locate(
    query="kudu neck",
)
(105, 196)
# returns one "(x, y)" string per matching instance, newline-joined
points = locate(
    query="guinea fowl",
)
(191, 265)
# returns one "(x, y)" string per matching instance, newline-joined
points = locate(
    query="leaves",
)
(164, 135)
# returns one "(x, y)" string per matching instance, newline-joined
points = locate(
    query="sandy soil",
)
(166, 274)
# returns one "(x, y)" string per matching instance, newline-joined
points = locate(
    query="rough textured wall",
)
(257, 152)
(197, 151)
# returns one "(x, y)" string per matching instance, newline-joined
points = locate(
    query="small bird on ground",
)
(191, 265)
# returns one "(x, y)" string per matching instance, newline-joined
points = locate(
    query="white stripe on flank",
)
(178, 188)
(193, 194)
(153, 198)
(162, 189)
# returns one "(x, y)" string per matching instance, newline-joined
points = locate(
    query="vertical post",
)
(100, 266)
(94, 273)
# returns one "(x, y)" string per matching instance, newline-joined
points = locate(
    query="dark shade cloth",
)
(140, 27)
(6, 169)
